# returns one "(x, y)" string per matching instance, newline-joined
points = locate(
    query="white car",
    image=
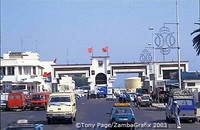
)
(111, 97)
(61, 106)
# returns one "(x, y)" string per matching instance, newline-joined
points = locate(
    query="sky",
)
(64, 29)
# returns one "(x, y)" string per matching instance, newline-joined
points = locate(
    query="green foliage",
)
(80, 80)
(196, 40)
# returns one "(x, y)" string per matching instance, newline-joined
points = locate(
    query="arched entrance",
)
(101, 78)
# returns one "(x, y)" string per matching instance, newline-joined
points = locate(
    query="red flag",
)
(46, 74)
(105, 49)
(90, 50)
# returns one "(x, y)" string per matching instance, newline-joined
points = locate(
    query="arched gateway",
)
(100, 78)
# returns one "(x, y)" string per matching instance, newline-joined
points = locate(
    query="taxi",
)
(122, 113)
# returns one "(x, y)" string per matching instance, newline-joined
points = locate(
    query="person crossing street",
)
(176, 111)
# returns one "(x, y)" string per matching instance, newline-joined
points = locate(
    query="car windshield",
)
(37, 97)
(123, 111)
(60, 99)
(184, 102)
(145, 97)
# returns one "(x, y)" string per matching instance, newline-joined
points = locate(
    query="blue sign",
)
(102, 90)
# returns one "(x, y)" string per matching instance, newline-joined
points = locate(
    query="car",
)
(146, 101)
(18, 100)
(61, 106)
(130, 97)
(111, 97)
(39, 100)
(3, 105)
(121, 115)
(25, 125)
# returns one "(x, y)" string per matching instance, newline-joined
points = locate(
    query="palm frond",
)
(196, 43)
(195, 31)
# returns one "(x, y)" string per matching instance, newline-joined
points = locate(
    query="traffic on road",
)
(67, 110)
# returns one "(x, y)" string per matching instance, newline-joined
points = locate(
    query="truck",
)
(61, 106)
(186, 102)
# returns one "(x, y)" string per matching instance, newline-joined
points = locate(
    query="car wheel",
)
(49, 120)
(193, 120)
(74, 119)
(71, 120)
(167, 119)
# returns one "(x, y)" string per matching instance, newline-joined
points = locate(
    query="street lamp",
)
(153, 61)
(178, 45)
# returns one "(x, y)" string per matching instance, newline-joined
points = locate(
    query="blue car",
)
(122, 115)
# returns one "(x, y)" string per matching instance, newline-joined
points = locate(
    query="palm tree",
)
(196, 40)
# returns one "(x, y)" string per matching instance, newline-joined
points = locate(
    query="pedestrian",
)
(88, 94)
(176, 111)
(138, 101)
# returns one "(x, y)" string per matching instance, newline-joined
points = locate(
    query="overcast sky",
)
(64, 29)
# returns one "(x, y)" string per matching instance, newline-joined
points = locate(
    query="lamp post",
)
(178, 44)
(153, 61)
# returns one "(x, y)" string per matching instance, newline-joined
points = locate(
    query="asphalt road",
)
(93, 112)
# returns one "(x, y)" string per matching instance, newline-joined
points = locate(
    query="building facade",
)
(24, 71)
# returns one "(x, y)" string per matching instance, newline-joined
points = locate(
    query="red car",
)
(18, 100)
(39, 100)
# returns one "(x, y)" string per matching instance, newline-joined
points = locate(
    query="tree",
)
(80, 80)
(196, 40)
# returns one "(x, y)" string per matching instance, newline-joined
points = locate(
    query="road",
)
(92, 112)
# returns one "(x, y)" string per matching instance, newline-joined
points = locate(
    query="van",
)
(18, 100)
(39, 100)
(61, 105)
(186, 102)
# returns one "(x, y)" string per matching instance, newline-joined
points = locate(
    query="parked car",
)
(18, 101)
(39, 100)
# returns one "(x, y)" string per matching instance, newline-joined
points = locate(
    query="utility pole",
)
(178, 44)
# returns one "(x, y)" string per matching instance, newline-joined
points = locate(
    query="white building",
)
(24, 71)
(102, 73)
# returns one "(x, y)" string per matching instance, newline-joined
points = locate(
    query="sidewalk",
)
(159, 105)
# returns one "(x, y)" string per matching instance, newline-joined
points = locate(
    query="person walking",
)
(176, 111)
(138, 101)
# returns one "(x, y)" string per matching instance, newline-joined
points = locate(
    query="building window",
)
(3, 70)
(191, 84)
(11, 70)
(100, 62)
(20, 70)
(27, 70)
(93, 72)
(34, 70)
(108, 71)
